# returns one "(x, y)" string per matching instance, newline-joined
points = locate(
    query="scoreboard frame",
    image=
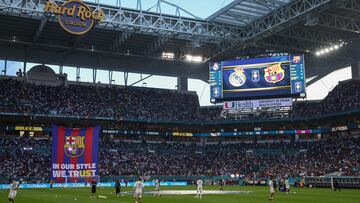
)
(258, 78)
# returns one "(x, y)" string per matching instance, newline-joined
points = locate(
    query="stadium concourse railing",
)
(193, 122)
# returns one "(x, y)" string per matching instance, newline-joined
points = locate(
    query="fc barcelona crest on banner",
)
(274, 73)
(255, 76)
(74, 146)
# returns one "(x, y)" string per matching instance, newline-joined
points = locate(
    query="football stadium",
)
(158, 101)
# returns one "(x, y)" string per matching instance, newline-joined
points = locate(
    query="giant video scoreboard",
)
(258, 78)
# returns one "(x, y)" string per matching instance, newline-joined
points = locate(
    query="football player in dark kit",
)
(117, 187)
(93, 189)
(336, 186)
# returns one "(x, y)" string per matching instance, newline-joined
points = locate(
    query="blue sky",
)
(202, 9)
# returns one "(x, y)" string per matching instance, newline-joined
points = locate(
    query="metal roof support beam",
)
(350, 5)
(275, 20)
(40, 28)
(121, 39)
(142, 22)
(340, 23)
(280, 17)
(156, 44)
(285, 44)
(311, 35)
(223, 10)
(142, 79)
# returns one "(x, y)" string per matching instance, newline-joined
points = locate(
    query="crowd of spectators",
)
(344, 97)
(91, 101)
(151, 104)
(125, 158)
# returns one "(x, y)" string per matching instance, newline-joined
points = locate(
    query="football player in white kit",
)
(13, 190)
(271, 188)
(287, 186)
(199, 189)
(157, 188)
(138, 190)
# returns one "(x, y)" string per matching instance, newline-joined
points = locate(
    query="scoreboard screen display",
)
(272, 77)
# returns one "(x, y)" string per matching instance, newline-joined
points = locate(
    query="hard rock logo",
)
(274, 73)
(75, 16)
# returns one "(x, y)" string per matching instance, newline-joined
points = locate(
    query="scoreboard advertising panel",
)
(271, 77)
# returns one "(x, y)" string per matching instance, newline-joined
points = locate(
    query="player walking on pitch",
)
(157, 188)
(13, 190)
(271, 188)
(117, 187)
(199, 189)
(138, 190)
(287, 186)
(93, 189)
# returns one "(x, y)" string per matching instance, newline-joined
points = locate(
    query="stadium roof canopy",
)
(133, 40)
(245, 12)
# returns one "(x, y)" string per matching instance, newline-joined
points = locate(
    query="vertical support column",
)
(77, 74)
(5, 68)
(126, 77)
(182, 84)
(24, 69)
(94, 75)
(355, 70)
(61, 69)
(110, 77)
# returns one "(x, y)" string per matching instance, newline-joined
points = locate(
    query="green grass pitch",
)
(259, 194)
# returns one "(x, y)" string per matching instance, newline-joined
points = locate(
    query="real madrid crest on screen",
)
(237, 78)
(75, 16)
(216, 66)
(274, 73)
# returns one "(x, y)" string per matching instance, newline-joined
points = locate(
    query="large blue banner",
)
(74, 154)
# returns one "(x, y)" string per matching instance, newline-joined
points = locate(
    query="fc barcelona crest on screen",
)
(274, 73)
(255, 76)
(296, 59)
(237, 78)
(74, 146)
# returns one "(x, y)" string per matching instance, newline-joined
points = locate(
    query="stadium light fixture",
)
(329, 49)
(191, 58)
(168, 55)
